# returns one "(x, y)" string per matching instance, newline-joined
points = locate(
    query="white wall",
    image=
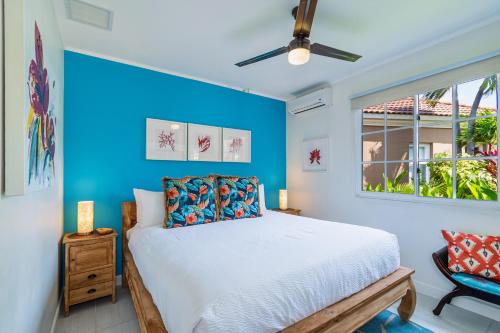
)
(332, 195)
(31, 226)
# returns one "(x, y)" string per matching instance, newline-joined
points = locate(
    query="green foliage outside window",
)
(474, 181)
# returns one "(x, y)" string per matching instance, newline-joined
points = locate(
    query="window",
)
(456, 132)
(424, 150)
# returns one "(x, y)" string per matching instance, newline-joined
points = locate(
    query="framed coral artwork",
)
(32, 101)
(166, 140)
(204, 143)
(315, 154)
(237, 145)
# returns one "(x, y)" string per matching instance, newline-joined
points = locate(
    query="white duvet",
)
(257, 275)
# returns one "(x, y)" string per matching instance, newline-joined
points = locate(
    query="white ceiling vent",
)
(87, 13)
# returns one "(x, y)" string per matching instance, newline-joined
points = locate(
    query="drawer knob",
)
(91, 276)
(91, 291)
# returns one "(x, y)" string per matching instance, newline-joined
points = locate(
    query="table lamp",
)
(85, 217)
(283, 199)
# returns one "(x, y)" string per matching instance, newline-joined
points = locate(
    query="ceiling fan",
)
(300, 48)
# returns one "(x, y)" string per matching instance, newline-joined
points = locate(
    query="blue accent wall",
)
(106, 105)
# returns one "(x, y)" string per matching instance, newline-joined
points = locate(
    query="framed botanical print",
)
(166, 140)
(237, 145)
(204, 143)
(315, 154)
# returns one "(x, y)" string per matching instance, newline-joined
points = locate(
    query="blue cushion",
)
(238, 197)
(477, 282)
(189, 201)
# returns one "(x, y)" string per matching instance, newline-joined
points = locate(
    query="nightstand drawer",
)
(91, 277)
(91, 256)
(90, 292)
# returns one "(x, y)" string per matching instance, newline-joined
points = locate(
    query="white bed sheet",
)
(257, 275)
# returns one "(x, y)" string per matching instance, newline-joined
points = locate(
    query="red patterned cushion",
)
(473, 254)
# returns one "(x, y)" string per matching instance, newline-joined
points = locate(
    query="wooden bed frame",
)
(342, 317)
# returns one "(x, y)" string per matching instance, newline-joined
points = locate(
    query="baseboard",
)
(467, 303)
(429, 290)
(118, 280)
(56, 315)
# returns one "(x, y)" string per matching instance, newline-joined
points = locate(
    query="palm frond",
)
(489, 85)
(433, 97)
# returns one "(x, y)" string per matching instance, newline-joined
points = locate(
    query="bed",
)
(275, 273)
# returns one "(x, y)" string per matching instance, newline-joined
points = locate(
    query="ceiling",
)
(204, 39)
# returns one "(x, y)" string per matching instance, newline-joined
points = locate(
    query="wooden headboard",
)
(129, 215)
(129, 219)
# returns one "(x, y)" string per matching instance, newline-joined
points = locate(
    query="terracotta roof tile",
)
(405, 106)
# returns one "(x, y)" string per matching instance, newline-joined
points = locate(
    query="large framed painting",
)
(32, 100)
(315, 154)
(1, 99)
(237, 145)
(204, 143)
(166, 140)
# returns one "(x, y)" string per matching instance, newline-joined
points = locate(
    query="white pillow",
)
(262, 198)
(150, 207)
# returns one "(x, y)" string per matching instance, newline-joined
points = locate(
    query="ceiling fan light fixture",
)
(300, 48)
(299, 51)
(299, 56)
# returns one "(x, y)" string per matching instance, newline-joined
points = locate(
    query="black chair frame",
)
(441, 260)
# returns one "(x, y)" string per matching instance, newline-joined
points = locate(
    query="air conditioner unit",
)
(317, 100)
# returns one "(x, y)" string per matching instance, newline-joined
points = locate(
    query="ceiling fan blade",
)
(264, 56)
(306, 26)
(328, 51)
(299, 18)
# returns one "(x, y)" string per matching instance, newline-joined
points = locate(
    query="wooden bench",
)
(465, 284)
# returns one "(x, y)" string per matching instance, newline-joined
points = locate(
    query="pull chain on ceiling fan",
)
(300, 48)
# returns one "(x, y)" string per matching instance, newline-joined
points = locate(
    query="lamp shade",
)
(299, 56)
(283, 199)
(85, 217)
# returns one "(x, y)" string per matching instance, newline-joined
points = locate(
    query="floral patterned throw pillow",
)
(238, 197)
(189, 201)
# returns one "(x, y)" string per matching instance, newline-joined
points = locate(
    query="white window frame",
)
(415, 197)
(427, 155)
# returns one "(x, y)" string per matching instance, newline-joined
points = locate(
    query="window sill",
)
(430, 201)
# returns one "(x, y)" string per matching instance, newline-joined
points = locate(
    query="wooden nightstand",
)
(290, 211)
(89, 268)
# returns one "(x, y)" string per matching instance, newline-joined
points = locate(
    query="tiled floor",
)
(452, 319)
(103, 316)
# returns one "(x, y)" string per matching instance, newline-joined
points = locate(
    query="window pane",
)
(398, 144)
(435, 179)
(400, 113)
(373, 118)
(482, 91)
(373, 177)
(477, 180)
(437, 137)
(435, 105)
(424, 151)
(482, 140)
(373, 147)
(398, 178)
